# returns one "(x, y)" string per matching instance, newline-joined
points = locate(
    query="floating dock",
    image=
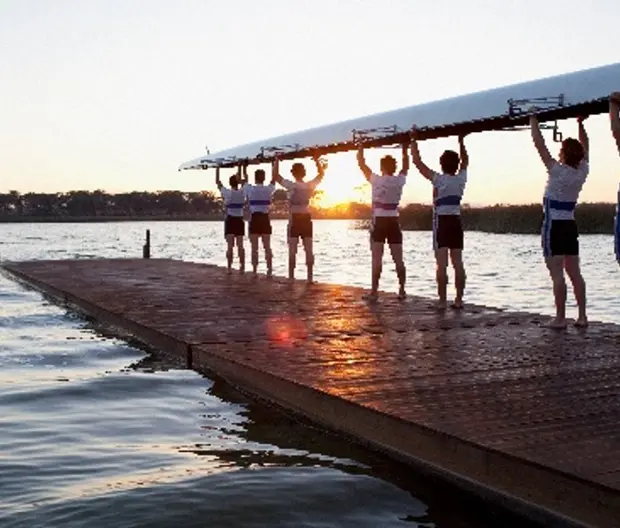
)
(490, 400)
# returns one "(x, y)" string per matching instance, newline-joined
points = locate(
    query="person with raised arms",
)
(560, 234)
(387, 190)
(300, 193)
(448, 237)
(259, 198)
(234, 225)
(614, 117)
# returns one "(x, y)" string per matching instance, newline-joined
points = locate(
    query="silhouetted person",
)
(387, 190)
(234, 225)
(448, 238)
(300, 222)
(560, 235)
(259, 198)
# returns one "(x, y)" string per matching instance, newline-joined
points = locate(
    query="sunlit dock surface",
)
(489, 399)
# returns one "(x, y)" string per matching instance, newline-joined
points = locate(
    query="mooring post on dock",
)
(146, 249)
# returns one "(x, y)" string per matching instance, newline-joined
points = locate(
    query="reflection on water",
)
(94, 432)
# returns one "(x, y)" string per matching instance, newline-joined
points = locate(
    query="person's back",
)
(234, 225)
(234, 201)
(387, 191)
(259, 198)
(448, 236)
(300, 225)
(559, 231)
(564, 184)
(448, 190)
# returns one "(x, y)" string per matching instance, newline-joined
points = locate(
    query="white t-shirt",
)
(564, 184)
(386, 193)
(448, 192)
(234, 200)
(259, 197)
(299, 194)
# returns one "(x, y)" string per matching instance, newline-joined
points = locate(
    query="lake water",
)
(94, 432)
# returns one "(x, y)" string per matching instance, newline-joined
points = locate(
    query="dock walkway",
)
(489, 399)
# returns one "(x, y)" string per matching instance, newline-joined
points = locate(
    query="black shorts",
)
(300, 226)
(260, 224)
(386, 229)
(234, 225)
(448, 232)
(560, 237)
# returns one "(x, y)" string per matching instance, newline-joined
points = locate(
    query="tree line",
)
(205, 205)
(592, 218)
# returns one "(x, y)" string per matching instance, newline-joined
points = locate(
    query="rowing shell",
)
(584, 92)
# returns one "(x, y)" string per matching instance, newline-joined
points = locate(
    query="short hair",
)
(573, 152)
(449, 162)
(259, 175)
(388, 164)
(233, 181)
(298, 170)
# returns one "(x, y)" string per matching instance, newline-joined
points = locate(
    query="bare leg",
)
(377, 266)
(230, 244)
(456, 256)
(397, 256)
(309, 250)
(268, 253)
(571, 264)
(441, 274)
(292, 256)
(241, 254)
(555, 265)
(254, 250)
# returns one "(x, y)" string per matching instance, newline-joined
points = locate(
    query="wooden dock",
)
(488, 399)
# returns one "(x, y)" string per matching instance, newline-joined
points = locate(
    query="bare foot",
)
(229, 271)
(582, 322)
(457, 304)
(402, 294)
(441, 305)
(269, 274)
(558, 323)
(371, 297)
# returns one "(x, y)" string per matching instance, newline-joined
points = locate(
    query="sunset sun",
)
(341, 189)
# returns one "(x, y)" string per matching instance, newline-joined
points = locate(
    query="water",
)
(94, 432)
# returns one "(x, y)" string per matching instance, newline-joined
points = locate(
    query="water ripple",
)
(94, 433)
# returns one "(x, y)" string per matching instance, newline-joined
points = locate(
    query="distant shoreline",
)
(592, 218)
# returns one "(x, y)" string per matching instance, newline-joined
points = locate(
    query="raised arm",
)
(539, 143)
(614, 117)
(274, 175)
(583, 137)
(463, 153)
(405, 170)
(275, 172)
(415, 156)
(218, 181)
(361, 161)
(243, 169)
(320, 167)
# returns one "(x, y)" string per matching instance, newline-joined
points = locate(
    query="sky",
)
(116, 94)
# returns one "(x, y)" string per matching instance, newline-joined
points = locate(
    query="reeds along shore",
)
(99, 206)
(592, 218)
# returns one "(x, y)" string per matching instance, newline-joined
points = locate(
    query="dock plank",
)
(490, 397)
